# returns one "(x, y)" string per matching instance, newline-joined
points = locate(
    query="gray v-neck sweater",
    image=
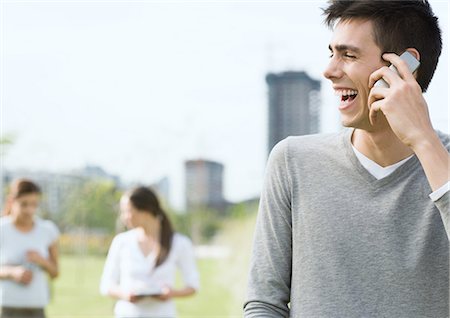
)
(333, 241)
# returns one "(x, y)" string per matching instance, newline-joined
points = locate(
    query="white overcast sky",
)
(137, 87)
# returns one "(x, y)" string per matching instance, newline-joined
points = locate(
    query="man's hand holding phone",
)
(402, 102)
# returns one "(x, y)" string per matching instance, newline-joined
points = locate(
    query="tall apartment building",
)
(204, 184)
(294, 105)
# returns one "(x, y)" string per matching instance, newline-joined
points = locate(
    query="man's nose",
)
(333, 70)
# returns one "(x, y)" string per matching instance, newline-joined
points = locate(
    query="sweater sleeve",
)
(443, 205)
(441, 197)
(269, 282)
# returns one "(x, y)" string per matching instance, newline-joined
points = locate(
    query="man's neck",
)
(382, 147)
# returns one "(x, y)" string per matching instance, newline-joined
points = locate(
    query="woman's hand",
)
(35, 258)
(21, 275)
(131, 297)
(49, 265)
(167, 293)
(116, 292)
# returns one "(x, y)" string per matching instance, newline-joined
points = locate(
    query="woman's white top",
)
(14, 246)
(129, 269)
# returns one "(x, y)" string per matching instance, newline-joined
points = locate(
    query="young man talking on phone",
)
(357, 224)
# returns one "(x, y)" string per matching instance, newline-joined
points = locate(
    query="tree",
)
(92, 205)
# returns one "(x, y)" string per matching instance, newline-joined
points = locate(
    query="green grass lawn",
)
(223, 282)
(75, 293)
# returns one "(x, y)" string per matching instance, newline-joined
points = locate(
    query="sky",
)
(138, 87)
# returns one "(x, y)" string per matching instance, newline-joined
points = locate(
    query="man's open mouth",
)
(346, 94)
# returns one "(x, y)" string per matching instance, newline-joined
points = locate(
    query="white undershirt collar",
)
(374, 168)
(380, 172)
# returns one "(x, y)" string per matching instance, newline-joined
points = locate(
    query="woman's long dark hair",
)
(19, 188)
(144, 199)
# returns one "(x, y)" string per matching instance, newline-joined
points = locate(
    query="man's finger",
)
(375, 94)
(375, 107)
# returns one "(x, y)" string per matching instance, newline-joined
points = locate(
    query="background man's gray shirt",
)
(333, 241)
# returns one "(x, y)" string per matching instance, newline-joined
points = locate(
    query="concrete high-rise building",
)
(204, 184)
(294, 105)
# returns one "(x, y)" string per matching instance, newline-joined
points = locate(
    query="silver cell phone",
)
(412, 62)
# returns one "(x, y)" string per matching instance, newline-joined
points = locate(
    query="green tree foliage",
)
(243, 210)
(200, 224)
(93, 205)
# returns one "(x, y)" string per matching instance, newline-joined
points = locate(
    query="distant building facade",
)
(55, 186)
(92, 172)
(294, 105)
(204, 184)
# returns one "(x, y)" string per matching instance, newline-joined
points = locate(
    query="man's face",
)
(354, 56)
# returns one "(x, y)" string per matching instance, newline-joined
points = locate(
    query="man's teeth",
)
(345, 92)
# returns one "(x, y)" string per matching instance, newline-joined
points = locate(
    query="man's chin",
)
(356, 123)
(347, 123)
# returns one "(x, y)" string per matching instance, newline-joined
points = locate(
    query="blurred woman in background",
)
(28, 251)
(141, 263)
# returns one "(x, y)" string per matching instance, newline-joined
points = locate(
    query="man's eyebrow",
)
(345, 47)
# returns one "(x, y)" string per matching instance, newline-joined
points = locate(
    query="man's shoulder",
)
(308, 148)
(317, 139)
(315, 142)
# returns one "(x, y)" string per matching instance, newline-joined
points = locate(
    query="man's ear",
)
(414, 52)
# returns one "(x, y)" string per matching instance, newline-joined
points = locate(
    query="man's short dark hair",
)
(397, 25)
